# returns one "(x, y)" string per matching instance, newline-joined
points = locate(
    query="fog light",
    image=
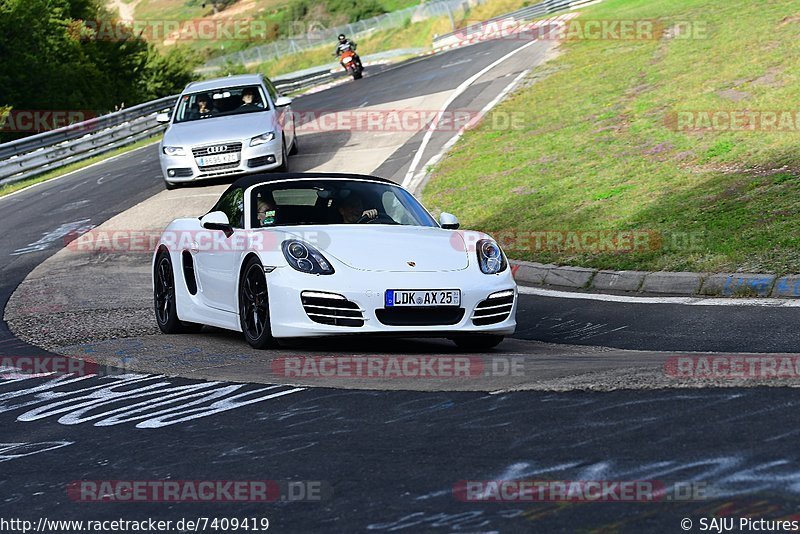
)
(171, 172)
(270, 159)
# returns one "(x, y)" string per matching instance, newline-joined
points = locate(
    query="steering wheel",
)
(380, 218)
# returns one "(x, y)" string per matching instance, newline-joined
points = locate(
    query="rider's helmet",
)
(342, 38)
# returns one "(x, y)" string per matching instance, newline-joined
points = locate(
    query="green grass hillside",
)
(412, 35)
(282, 18)
(598, 149)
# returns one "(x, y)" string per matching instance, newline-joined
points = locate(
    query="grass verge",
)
(598, 151)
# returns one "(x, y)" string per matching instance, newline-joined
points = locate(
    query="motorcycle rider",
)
(346, 44)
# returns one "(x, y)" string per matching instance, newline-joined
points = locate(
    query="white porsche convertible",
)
(302, 255)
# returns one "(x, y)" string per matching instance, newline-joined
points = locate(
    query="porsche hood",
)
(389, 248)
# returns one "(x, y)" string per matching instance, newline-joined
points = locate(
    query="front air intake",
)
(495, 309)
(331, 309)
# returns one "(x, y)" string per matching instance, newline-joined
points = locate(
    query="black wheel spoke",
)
(164, 291)
(248, 291)
(253, 297)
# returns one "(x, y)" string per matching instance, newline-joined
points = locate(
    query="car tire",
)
(478, 342)
(254, 306)
(164, 303)
(295, 146)
(284, 167)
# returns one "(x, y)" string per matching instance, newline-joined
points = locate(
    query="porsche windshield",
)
(335, 202)
(220, 102)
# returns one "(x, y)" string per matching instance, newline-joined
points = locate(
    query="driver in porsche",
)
(351, 208)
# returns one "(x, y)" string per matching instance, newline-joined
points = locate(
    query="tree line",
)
(50, 60)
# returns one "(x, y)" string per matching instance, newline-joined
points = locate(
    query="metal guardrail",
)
(77, 130)
(327, 36)
(36, 154)
(545, 8)
(323, 75)
(40, 153)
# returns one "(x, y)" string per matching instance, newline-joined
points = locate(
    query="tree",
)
(53, 60)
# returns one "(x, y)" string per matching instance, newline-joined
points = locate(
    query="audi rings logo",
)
(217, 149)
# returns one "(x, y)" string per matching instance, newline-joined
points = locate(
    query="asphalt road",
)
(663, 327)
(35, 221)
(389, 460)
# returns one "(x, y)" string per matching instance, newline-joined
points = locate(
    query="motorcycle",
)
(351, 63)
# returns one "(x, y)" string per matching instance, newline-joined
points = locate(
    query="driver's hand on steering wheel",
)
(370, 214)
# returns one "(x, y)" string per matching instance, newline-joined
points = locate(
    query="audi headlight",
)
(490, 257)
(174, 151)
(263, 138)
(305, 258)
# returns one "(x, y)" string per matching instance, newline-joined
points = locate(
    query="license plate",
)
(218, 159)
(347, 60)
(426, 297)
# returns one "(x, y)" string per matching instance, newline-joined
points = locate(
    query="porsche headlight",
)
(490, 257)
(305, 258)
(174, 151)
(263, 138)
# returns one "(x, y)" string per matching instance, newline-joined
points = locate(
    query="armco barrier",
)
(327, 36)
(33, 155)
(36, 154)
(539, 10)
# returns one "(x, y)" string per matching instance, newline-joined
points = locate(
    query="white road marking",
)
(458, 91)
(417, 180)
(12, 451)
(570, 329)
(687, 301)
(48, 238)
(73, 205)
(454, 63)
(148, 401)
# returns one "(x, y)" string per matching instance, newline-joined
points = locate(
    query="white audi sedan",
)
(315, 254)
(227, 126)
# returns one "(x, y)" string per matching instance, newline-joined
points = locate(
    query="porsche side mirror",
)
(217, 220)
(448, 221)
(162, 118)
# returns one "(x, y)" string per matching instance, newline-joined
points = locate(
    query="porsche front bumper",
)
(362, 303)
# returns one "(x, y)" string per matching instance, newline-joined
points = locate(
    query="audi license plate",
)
(427, 297)
(218, 159)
